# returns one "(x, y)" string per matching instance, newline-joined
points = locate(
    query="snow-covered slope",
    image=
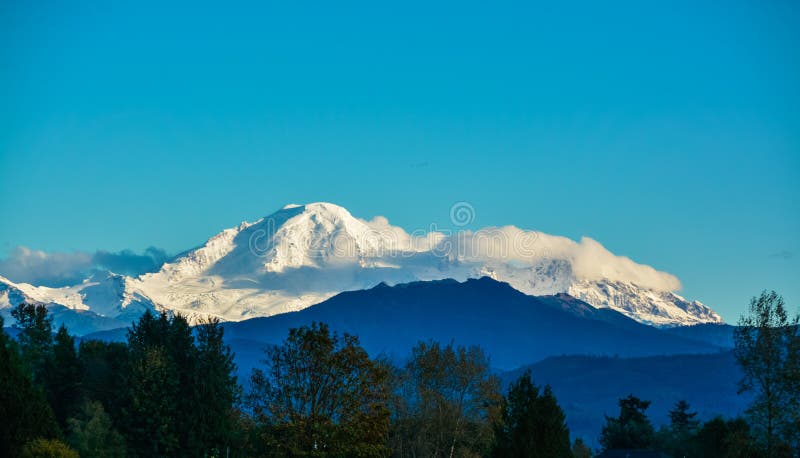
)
(103, 301)
(303, 254)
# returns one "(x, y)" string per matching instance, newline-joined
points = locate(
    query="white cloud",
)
(592, 261)
(41, 268)
(589, 259)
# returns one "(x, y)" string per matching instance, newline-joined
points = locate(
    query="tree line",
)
(171, 390)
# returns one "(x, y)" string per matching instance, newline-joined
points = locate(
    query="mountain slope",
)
(104, 301)
(304, 254)
(720, 335)
(513, 328)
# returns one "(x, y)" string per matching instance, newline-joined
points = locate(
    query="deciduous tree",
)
(47, 448)
(321, 395)
(448, 403)
(722, 438)
(768, 351)
(92, 434)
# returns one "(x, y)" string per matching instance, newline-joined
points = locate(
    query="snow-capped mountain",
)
(103, 301)
(304, 254)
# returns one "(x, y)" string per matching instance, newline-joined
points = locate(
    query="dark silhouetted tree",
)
(447, 404)
(681, 419)
(720, 438)
(63, 376)
(580, 449)
(24, 413)
(320, 395)
(532, 423)
(154, 410)
(35, 337)
(215, 388)
(106, 373)
(677, 438)
(162, 413)
(768, 352)
(632, 429)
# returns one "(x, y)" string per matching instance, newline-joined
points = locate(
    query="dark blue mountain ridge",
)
(588, 387)
(717, 334)
(512, 327)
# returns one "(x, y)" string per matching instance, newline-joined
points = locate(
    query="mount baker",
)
(304, 254)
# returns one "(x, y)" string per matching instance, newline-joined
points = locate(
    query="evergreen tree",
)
(182, 355)
(161, 411)
(154, 410)
(321, 395)
(63, 376)
(681, 420)
(677, 439)
(92, 434)
(447, 404)
(632, 429)
(24, 413)
(216, 389)
(106, 377)
(35, 337)
(533, 424)
(768, 351)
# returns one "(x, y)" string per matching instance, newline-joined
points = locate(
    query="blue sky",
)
(668, 131)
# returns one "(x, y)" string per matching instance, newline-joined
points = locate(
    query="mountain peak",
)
(303, 254)
(321, 208)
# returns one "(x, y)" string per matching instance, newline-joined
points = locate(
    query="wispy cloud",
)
(57, 269)
(783, 254)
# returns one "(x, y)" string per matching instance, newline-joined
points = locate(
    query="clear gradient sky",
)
(668, 131)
